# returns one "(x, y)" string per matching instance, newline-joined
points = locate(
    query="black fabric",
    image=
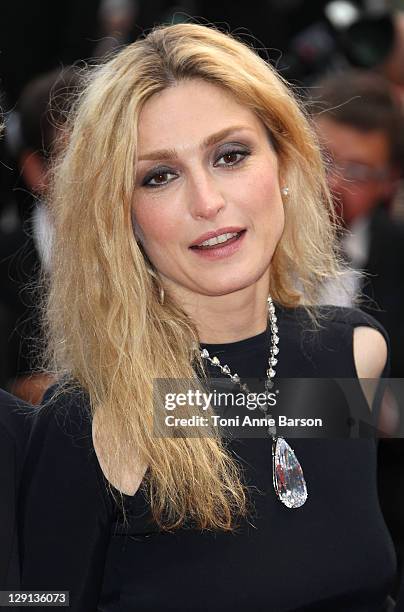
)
(14, 431)
(332, 554)
(383, 290)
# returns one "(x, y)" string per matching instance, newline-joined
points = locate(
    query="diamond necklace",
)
(288, 479)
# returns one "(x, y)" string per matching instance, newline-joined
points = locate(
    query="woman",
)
(190, 190)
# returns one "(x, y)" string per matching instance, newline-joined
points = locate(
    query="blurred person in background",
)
(360, 123)
(14, 267)
(41, 112)
(12, 239)
(42, 108)
(14, 432)
(361, 126)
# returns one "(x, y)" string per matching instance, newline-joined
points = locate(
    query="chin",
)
(227, 287)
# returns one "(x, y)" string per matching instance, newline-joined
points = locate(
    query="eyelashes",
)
(159, 173)
(165, 171)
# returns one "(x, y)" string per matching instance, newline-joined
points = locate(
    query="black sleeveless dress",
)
(332, 554)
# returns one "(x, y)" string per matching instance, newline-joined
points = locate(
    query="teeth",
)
(218, 239)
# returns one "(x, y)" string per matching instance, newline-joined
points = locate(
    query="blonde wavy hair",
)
(106, 328)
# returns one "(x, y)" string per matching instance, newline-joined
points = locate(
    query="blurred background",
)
(344, 59)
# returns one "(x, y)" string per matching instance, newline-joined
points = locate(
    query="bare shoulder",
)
(370, 352)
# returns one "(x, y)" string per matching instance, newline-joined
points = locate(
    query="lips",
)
(222, 250)
(225, 240)
(214, 234)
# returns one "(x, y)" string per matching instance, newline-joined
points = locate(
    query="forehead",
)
(183, 115)
(348, 143)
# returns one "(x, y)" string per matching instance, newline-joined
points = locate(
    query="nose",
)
(205, 198)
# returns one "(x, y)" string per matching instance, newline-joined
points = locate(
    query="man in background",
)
(361, 127)
(41, 113)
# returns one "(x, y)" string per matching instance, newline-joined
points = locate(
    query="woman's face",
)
(206, 169)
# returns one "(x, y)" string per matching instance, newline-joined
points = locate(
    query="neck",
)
(230, 317)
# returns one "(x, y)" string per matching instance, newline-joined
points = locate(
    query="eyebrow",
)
(170, 154)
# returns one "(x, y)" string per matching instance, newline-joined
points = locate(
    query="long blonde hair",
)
(106, 328)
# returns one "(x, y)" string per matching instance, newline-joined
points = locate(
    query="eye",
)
(156, 176)
(232, 154)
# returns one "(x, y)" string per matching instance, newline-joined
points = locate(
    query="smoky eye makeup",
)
(155, 172)
(232, 148)
(226, 149)
(243, 146)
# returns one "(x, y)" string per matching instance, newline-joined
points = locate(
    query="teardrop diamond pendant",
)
(289, 483)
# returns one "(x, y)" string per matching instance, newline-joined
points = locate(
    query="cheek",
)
(262, 186)
(268, 202)
(151, 226)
